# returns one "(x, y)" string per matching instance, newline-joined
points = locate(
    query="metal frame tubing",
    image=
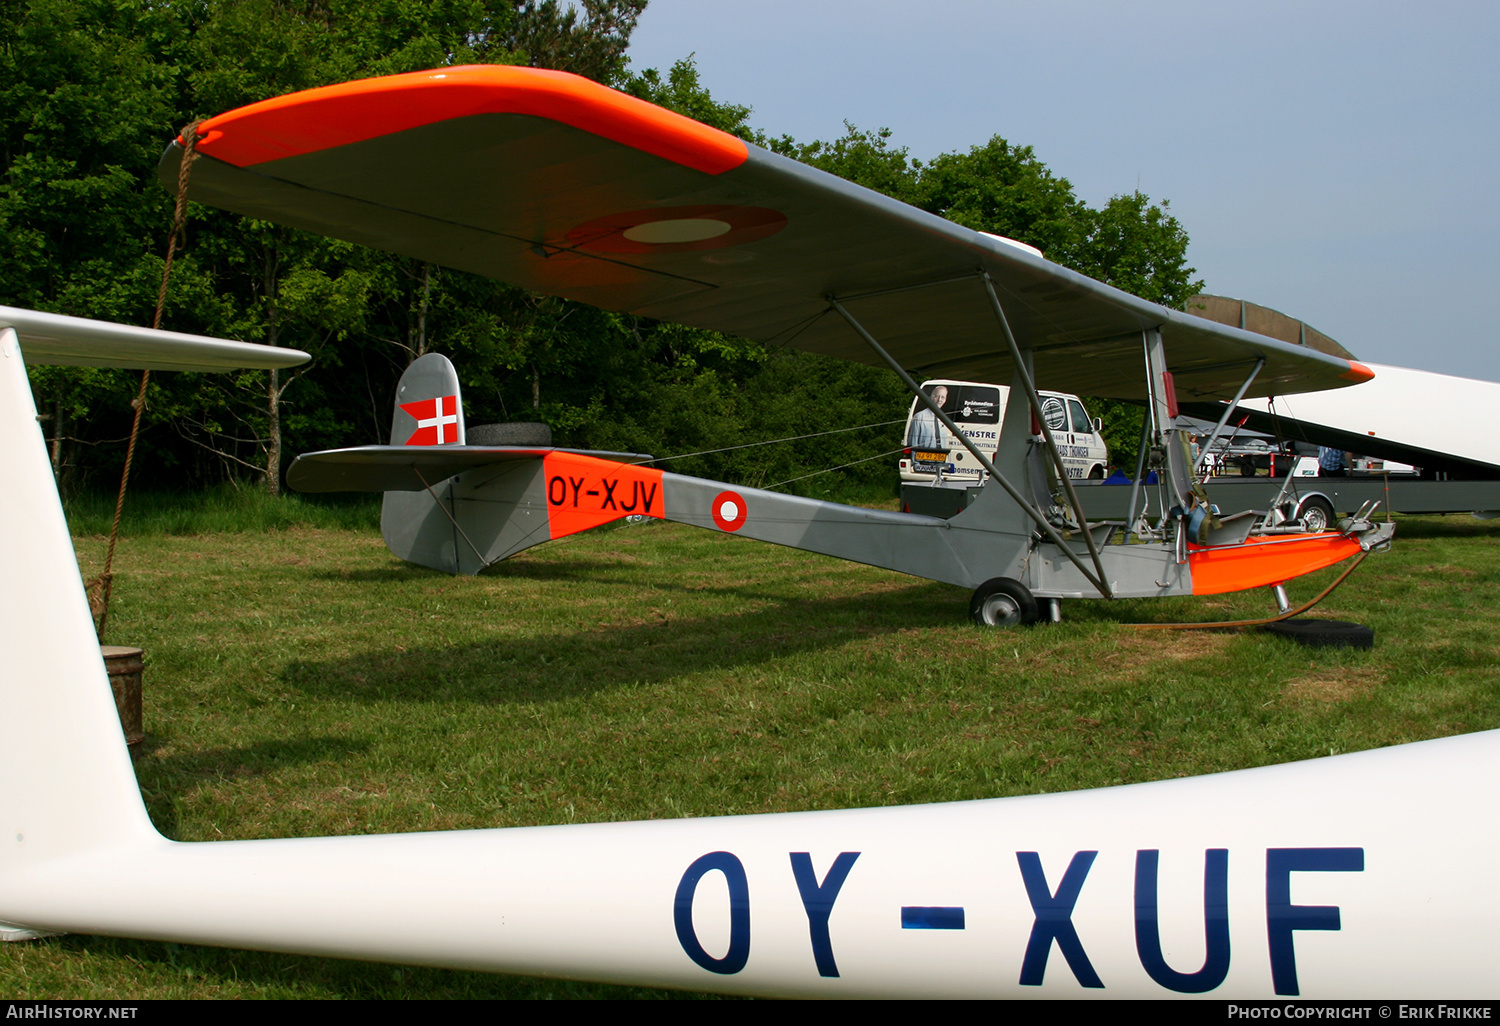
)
(983, 460)
(1024, 373)
(1140, 472)
(1219, 427)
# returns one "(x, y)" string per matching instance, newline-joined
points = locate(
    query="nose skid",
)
(1372, 537)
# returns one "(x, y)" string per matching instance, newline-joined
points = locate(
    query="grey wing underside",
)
(507, 194)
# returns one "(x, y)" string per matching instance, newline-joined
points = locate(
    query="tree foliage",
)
(587, 37)
(92, 89)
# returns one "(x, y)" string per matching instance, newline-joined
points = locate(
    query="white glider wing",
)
(48, 338)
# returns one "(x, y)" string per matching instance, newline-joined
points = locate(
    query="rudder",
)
(429, 410)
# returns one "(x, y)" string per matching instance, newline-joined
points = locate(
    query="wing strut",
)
(984, 461)
(1023, 371)
(1140, 472)
(1219, 427)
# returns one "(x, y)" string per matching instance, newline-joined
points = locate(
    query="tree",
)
(863, 157)
(296, 288)
(84, 98)
(1138, 246)
(997, 187)
(682, 91)
(587, 37)
(93, 88)
(1131, 243)
(1005, 190)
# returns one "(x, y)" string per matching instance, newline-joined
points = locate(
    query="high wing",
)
(48, 338)
(558, 184)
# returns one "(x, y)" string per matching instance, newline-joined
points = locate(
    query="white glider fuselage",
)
(1356, 876)
(1414, 409)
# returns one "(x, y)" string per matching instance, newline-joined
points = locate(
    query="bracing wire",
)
(829, 470)
(774, 441)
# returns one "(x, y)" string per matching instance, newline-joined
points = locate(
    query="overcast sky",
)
(1335, 161)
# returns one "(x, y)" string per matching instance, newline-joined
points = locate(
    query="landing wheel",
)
(1003, 602)
(1316, 515)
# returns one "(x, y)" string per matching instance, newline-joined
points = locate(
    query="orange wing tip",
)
(1358, 372)
(320, 119)
(204, 138)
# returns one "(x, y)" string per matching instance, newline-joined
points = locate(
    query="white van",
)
(933, 455)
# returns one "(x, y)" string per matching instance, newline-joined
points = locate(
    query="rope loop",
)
(99, 588)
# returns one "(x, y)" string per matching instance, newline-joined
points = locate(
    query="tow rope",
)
(99, 588)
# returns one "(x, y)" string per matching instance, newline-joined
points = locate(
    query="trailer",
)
(1401, 453)
(1317, 501)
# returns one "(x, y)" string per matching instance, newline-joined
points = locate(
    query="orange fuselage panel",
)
(584, 492)
(1263, 562)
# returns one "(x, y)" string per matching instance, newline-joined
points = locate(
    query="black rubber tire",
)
(1097, 473)
(517, 433)
(1247, 467)
(1316, 514)
(1003, 602)
(1323, 633)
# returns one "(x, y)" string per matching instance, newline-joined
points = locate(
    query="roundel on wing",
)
(676, 229)
(729, 511)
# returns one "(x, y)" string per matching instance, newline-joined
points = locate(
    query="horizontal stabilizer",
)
(402, 468)
(48, 338)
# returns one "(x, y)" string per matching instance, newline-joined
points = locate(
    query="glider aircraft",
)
(1400, 415)
(1353, 876)
(558, 184)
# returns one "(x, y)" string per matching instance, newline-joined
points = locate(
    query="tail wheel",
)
(1003, 602)
(1316, 515)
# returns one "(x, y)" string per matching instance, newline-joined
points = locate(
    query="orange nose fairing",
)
(1259, 563)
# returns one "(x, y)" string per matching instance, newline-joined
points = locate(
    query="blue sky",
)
(1335, 161)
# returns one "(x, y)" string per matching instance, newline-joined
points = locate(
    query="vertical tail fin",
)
(429, 410)
(429, 406)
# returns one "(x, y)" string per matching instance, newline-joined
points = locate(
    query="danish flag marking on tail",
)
(437, 420)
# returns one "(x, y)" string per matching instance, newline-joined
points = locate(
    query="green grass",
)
(221, 509)
(301, 681)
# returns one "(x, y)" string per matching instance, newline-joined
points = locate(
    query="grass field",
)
(302, 681)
